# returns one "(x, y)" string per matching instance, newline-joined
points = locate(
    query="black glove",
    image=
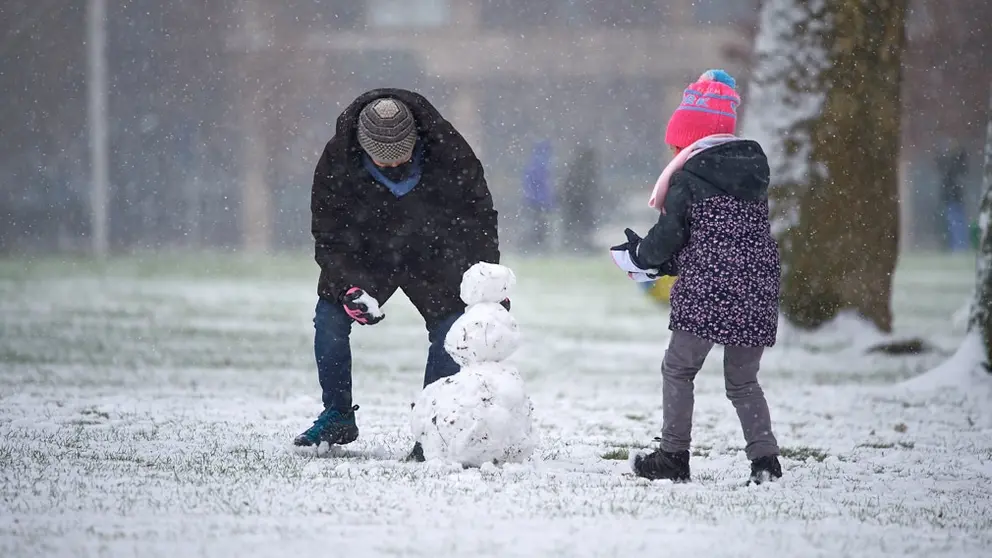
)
(361, 307)
(633, 241)
(669, 268)
(625, 256)
(634, 268)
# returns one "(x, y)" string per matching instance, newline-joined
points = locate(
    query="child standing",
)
(714, 234)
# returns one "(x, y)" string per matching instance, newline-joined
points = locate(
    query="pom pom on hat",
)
(720, 76)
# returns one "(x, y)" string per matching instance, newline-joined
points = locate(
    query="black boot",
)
(660, 465)
(765, 469)
(417, 454)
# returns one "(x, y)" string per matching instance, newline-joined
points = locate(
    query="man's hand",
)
(362, 307)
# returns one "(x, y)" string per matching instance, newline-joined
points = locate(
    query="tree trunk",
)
(785, 96)
(825, 104)
(981, 307)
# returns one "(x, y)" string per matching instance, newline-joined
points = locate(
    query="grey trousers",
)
(685, 356)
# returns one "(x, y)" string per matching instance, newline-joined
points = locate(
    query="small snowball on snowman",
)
(482, 414)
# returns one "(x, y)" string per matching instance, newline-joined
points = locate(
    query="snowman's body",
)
(483, 413)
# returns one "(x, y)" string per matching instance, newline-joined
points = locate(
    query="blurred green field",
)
(221, 309)
(924, 283)
(912, 269)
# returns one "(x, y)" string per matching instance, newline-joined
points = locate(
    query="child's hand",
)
(625, 256)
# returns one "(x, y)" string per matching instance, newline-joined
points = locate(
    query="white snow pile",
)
(963, 376)
(845, 331)
(959, 371)
(482, 414)
(961, 316)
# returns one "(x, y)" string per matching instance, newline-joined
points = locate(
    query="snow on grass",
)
(150, 414)
(963, 369)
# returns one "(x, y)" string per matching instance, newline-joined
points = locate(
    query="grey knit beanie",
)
(386, 131)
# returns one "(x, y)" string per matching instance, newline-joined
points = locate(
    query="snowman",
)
(482, 414)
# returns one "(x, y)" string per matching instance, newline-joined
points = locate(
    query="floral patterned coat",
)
(716, 236)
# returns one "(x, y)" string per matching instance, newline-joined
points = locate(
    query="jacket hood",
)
(738, 168)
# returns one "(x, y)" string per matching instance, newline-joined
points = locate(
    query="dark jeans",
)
(332, 348)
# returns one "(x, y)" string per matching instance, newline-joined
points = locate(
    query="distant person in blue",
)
(537, 195)
(952, 166)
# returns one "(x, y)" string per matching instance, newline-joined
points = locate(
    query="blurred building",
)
(508, 73)
(218, 109)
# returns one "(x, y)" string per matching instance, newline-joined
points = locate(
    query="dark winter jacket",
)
(367, 236)
(716, 229)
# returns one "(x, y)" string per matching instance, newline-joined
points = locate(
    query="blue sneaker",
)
(333, 427)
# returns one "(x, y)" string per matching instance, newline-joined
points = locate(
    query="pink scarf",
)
(657, 200)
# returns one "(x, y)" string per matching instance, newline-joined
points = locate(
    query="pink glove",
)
(361, 307)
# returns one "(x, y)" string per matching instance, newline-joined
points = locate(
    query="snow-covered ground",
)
(146, 410)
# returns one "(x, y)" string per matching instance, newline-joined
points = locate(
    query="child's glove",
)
(625, 256)
(361, 307)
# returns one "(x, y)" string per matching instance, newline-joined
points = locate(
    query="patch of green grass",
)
(628, 445)
(7, 454)
(89, 417)
(887, 445)
(802, 453)
(93, 412)
(877, 445)
(617, 454)
(704, 476)
(12, 355)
